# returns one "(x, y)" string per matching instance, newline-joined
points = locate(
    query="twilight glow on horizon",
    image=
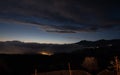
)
(59, 22)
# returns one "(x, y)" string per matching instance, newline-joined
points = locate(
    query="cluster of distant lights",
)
(46, 53)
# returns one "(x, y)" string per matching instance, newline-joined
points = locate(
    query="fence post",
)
(35, 71)
(70, 72)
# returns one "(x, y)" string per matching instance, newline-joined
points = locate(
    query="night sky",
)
(59, 21)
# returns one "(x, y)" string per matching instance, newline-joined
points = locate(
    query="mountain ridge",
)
(23, 47)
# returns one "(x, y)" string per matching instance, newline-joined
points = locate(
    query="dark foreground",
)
(92, 61)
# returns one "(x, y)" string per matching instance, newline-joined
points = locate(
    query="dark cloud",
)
(65, 16)
(61, 31)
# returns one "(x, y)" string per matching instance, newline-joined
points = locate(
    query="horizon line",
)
(52, 43)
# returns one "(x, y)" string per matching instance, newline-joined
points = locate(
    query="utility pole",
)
(70, 72)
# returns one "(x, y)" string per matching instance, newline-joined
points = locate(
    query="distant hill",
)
(100, 43)
(17, 47)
